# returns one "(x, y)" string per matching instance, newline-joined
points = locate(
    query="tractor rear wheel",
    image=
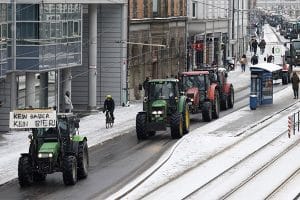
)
(70, 170)
(141, 130)
(83, 160)
(216, 109)
(207, 111)
(186, 119)
(231, 98)
(176, 123)
(25, 175)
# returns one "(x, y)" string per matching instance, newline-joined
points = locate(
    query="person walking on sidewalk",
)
(295, 83)
(254, 59)
(243, 62)
(262, 46)
(254, 45)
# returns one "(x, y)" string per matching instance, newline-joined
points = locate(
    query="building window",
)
(172, 8)
(155, 8)
(134, 9)
(146, 8)
(181, 7)
(194, 11)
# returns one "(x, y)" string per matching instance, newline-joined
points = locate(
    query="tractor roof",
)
(195, 73)
(163, 80)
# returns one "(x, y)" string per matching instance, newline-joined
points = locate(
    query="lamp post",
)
(13, 89)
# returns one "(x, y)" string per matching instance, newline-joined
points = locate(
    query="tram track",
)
(251, 130)
(289, 179)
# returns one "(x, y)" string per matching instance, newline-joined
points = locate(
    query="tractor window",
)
(164, 90)
(193, 81)
(46, 132)
(63, 128)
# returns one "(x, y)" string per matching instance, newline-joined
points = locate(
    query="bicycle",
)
(109, 120)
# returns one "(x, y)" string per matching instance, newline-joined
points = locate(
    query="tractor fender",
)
(76, 144)
(79, 138)
(226, 88)
(181, 104)
(211, 91)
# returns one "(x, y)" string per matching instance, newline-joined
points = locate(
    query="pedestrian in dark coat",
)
(262, 46)
(254, 59)
(270, 58)
(295, 83)
(146, 85)
(254, 45)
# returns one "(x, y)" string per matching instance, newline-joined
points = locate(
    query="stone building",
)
(156, 43)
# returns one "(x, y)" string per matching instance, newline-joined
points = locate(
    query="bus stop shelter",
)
(262, 75)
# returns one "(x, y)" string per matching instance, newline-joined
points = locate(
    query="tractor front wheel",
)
(176, 126)
(216, 109)
(141, 130)
(70, 170)
(207, 112)
(25, 175)
(231, 98)
(83, 160)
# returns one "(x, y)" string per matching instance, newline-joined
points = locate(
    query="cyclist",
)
(109, 105)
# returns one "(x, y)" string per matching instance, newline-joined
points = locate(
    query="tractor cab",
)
(163, 89)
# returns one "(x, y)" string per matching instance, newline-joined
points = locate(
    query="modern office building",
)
(58, 47)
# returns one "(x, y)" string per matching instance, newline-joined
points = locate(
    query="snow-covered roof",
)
(270, 67)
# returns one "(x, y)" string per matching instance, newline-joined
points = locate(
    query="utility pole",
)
(232, 27)
(13, 86)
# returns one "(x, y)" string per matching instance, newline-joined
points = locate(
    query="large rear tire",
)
(231, 98)
(83, 160)
(207, 111)
(70, 170)
(176, 125)
(141, 130)
(25, 174)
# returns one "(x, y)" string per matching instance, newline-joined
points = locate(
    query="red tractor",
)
(202, 94)
(208, 91)
(226, 91)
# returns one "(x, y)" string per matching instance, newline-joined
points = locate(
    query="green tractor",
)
(163, 107)
(55, 149)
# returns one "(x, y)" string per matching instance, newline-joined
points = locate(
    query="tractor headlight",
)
(45, 155)
(192, 100)
(159, 112)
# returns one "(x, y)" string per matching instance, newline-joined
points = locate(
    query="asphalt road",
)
(112, 164)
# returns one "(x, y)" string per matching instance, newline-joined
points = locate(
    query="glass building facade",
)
(48, 36)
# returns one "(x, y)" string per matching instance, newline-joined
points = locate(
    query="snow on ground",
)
(197, 147)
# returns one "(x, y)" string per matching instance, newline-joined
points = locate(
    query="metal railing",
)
(293, 123)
